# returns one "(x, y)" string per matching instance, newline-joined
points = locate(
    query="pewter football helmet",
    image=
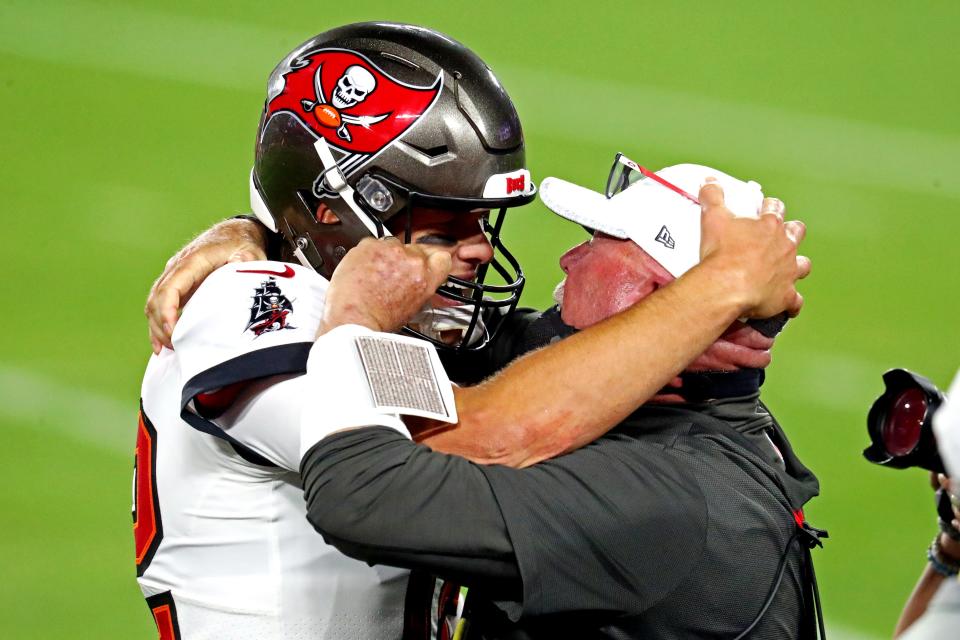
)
(374, 119)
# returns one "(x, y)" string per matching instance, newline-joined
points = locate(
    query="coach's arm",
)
(379, 497)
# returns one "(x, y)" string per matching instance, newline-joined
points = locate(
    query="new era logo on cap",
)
(665, 238)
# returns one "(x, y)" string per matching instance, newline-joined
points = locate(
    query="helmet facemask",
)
(480, 305)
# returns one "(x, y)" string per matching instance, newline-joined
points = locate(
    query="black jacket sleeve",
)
(611, 528)
(381, 498)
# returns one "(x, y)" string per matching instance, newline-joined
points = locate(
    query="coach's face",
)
(604, 276)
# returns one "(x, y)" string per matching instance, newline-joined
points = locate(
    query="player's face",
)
(605, 276)
(455, 232)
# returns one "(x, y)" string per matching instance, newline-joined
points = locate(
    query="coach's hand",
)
(756, 258)
(235, 240)
(381, 284)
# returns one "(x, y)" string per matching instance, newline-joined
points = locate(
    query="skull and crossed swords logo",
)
(351, 89)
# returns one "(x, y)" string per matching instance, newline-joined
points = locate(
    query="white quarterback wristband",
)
(361, 378)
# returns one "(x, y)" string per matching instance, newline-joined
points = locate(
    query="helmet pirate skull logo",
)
(353, 87)
(346, 99)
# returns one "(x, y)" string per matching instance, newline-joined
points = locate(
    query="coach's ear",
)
(325, 215)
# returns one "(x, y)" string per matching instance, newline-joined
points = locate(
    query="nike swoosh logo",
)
(288, 272)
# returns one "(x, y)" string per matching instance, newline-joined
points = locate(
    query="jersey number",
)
(147, 527)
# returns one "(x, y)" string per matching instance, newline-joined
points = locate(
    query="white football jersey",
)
(223, 547)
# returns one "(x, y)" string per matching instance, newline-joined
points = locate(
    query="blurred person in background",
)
(933, 609)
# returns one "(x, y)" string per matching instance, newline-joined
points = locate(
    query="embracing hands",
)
(756, 258)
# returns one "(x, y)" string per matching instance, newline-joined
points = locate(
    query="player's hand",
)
(757, 257)
(381, 284)
(235, 240)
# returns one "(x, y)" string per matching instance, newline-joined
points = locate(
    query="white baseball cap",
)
(659, 215)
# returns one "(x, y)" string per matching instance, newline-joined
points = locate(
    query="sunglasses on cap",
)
(625, 173)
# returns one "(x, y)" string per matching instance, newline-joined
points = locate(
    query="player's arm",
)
(379, 497)
(373, 492)
(243, 386)
(559, 398)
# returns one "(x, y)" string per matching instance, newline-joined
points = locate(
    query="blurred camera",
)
(900, 423)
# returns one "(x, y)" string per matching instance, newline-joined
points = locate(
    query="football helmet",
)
(374, 119)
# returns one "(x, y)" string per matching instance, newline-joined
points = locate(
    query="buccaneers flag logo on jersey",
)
(270, 310)
(348, 101)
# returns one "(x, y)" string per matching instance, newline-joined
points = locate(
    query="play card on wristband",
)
(362, 378)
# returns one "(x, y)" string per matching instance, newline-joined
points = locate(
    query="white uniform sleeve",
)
(245, 333)
(265, 417)
(946, 428)
(245, 308)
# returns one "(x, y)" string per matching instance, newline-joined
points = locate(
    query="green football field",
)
(129, 126)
